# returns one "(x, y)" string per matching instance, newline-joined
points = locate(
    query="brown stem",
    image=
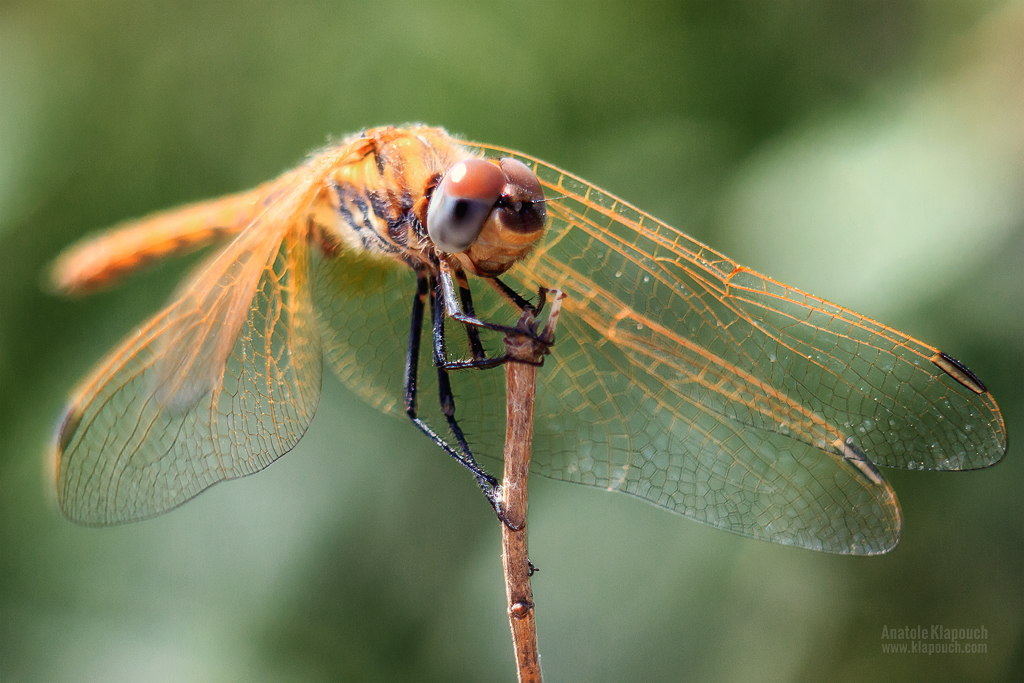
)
(520, 381)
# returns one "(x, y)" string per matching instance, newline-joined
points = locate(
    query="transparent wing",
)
(219, 384)
(685, 380)
(364, 304)
(714, 391)
(216, 386)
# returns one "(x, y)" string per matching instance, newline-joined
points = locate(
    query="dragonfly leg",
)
(412, 356)
(517, 299)
(488, 484)
(479, 359)
(445, 291)
(472, 333)
(411, 379)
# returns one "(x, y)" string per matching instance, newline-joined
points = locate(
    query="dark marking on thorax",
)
(396, 211)
(357, 212)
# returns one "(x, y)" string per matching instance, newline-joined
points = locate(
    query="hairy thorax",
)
(377, 203)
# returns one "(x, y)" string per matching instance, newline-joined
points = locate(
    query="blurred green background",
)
(870, 152)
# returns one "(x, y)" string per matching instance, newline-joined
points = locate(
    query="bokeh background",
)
(869, 152)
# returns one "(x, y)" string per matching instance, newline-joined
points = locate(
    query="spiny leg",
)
(442, 293)
(445, 291)
(412, 356)
(510, 295)
(444, 385)
(514, 297)
(487, 482)
(472, 333)
(479, 359)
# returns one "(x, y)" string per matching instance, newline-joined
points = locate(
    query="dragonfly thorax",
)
(416, 195)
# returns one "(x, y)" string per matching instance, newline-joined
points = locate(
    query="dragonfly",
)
(677, 376)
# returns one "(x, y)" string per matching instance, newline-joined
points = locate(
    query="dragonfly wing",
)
(904, 403)
(216, 386)
(683, 379)
(219, 384)
(708, 389)
(597, 423)
(364, 304)
(627, 422)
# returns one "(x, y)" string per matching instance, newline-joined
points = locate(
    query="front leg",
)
(445, 289)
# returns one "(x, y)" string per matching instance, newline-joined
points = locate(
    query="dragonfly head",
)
(486, 214)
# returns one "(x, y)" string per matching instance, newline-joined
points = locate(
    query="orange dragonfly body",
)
(677, 376)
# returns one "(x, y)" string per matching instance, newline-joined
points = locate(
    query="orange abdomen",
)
(101, 260)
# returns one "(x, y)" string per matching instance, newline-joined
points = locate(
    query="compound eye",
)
(522, 182)
(461, 204)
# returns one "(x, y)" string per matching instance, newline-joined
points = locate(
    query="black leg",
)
(487, 482)
(443, 301)
(517, 299)
(412, 358)
(472, 333)
(480, 359)
(445, 290)
(444, 384)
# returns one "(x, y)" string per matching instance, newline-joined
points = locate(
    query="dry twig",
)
(520, 380)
